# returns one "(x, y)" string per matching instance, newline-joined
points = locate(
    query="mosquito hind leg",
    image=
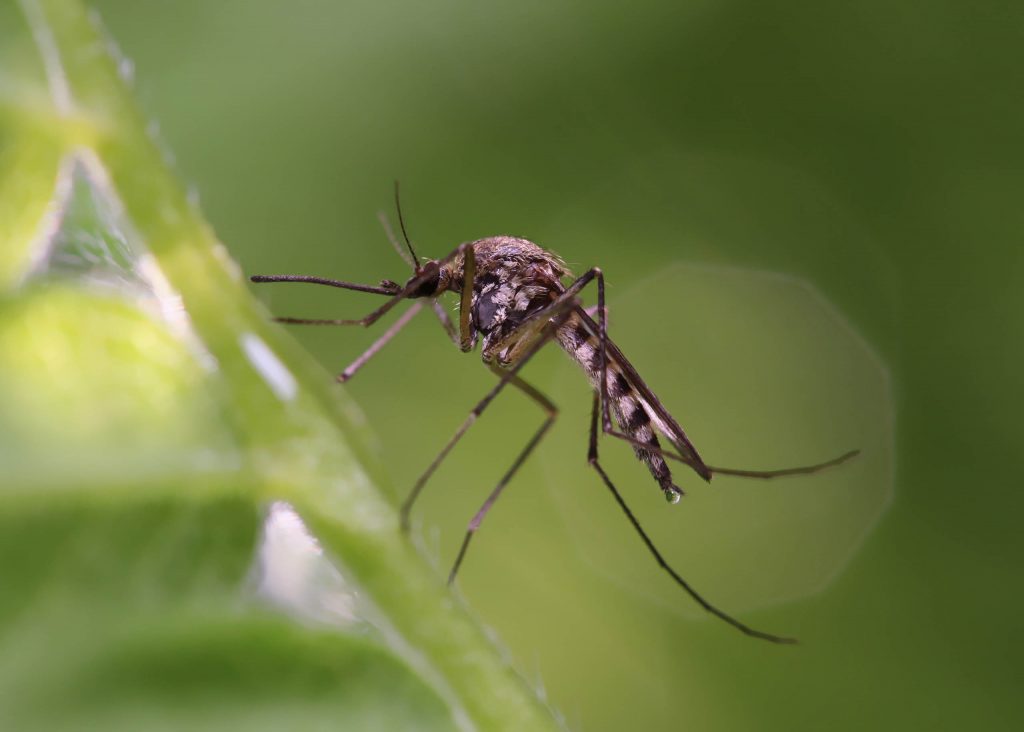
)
(694, 462)
(592, 459)
(741, 472)
(552, 413)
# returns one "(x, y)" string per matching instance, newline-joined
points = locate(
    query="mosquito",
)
(516, 297)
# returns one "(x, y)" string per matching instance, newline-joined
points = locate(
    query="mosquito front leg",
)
(552, 413)
(350, 370)
(557, 313)
(658, 557)
(378, 344)
(446, 322)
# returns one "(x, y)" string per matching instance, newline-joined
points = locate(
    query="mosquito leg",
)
(738, 472)
(475, 413)
(690, 456)
(446, 322)
(799, 470)
(552, 413)
(608, 428)
(741, 472)
(378, 344)
(553, 316)
(592, 459)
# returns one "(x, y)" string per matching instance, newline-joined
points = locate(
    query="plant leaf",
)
(149, 414)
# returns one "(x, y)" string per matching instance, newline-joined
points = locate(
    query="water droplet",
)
(673, 496)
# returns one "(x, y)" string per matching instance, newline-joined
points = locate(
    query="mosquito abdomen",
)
(631, 414)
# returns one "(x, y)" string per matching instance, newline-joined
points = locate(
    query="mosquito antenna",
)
(405, 235)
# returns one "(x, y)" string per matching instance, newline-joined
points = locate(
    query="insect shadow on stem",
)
(516, 297)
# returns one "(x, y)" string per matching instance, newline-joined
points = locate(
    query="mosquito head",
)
(430, 279)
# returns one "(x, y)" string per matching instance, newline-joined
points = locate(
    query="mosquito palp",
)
(514, 298)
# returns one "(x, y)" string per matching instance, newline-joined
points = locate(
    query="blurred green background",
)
(872, 149)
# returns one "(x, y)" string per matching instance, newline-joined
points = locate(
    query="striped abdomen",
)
(631, 414)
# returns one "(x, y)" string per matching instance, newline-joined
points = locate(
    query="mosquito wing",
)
(660, 417)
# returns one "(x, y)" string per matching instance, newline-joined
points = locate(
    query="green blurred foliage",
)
(872, 149)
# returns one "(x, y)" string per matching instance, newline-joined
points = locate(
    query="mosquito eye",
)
(428, 287)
